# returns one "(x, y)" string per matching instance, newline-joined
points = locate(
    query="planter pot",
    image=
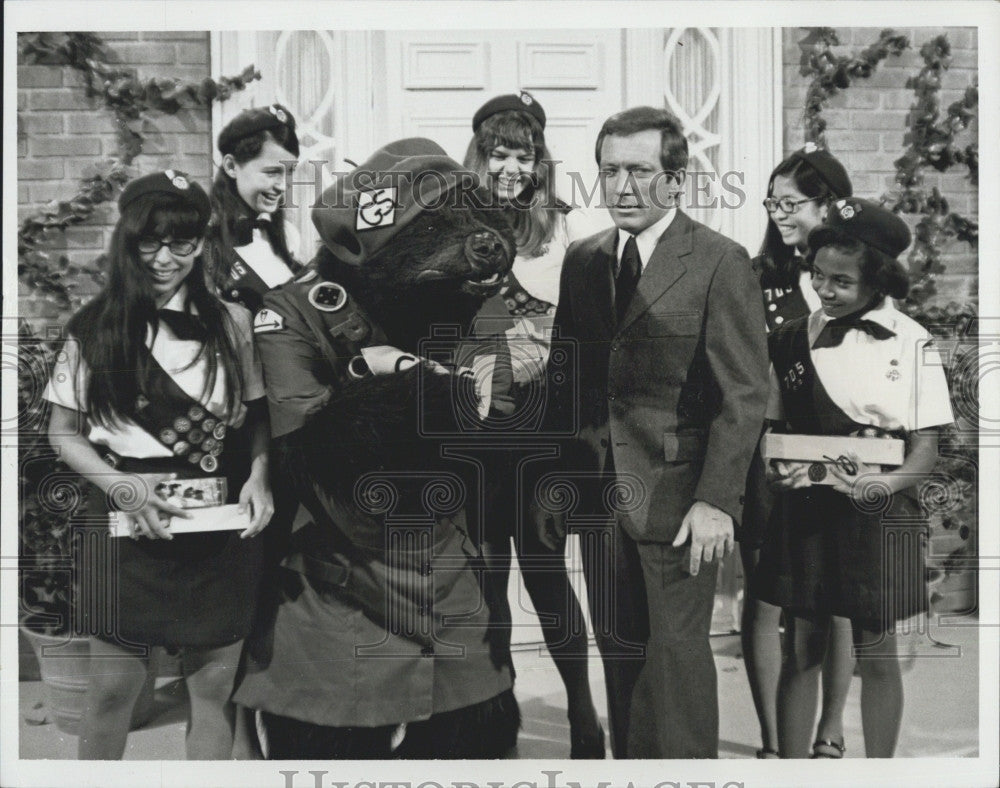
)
(64, 663)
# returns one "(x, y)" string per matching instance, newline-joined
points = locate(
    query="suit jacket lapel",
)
(599, 281)
(664, 268)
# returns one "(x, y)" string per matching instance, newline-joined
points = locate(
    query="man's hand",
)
(711, 532)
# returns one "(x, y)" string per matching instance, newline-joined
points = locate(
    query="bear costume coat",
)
(381, 616)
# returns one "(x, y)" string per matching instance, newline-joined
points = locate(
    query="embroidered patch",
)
(527, 100)
(847, 212)
(267, 320)
(376, 208)
(327, 296)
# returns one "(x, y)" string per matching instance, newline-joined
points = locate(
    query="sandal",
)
(766, 753)
(827, 748)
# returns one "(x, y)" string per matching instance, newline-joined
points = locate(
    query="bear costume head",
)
(411, 235)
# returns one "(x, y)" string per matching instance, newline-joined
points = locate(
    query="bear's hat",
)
(864, 221)
(363, 210)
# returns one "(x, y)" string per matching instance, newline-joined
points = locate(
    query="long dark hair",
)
(112, 327)
(228, 208)
(533, 218)
(776, 260)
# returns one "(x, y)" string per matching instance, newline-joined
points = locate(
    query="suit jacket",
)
(678, 390)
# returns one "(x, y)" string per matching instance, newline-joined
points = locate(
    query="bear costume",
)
(381, 615)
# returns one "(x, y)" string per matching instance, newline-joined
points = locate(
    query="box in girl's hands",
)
(822, 451)
(203, 498)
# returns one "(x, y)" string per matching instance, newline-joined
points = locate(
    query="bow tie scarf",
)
(244, 227)
(833, 332)
(184, 325)
(628, 278)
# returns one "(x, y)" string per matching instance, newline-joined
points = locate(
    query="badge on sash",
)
(376, 208)
(267, 320)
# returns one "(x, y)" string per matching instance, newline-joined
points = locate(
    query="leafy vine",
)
(832, 73)
(130, 100)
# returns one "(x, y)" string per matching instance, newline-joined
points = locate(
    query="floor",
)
(939, 719)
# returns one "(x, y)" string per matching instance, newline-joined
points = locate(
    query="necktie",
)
(833, 332)
(184, 325)
(628, 278)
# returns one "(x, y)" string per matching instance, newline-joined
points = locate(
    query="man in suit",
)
(673, 374)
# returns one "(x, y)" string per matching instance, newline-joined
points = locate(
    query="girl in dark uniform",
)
(508, 152)
(856, 366)
(249, 252)
(156, 377)
(249, 241)
(799, 195)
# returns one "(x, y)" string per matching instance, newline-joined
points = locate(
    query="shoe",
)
(766, 752)
(583, 750)
(827, 748)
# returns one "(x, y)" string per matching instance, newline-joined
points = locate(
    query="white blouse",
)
(895, 383)
(70, 376)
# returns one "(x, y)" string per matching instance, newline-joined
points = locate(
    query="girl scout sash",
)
(177, 421)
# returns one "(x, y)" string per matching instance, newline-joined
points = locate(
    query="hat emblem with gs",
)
(526, 99)
(279, 113)
(847, 211)
(179, 181)
(810, 147)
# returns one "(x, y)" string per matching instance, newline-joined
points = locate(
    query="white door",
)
(436, 80)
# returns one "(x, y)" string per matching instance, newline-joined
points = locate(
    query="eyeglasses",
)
(181, 248)
(787, 204)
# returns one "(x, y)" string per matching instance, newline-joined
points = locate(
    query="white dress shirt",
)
(646, 240)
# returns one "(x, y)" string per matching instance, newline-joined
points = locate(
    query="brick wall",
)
(61, 133)
(867, 122)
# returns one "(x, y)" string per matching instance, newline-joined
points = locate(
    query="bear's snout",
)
(486, 252)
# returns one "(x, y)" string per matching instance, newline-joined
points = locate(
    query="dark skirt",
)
(827, 556)
(197, 590)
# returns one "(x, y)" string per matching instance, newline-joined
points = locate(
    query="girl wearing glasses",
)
(800, 192)
(157, 378)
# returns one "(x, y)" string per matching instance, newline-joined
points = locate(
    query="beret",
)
(364, 209)
(250, 121)
(512, 102)
(863, 221)
(172, 182)
(827, 167)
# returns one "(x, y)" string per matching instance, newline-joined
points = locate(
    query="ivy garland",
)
(932, 143)
(832, 73)
(130, 100)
